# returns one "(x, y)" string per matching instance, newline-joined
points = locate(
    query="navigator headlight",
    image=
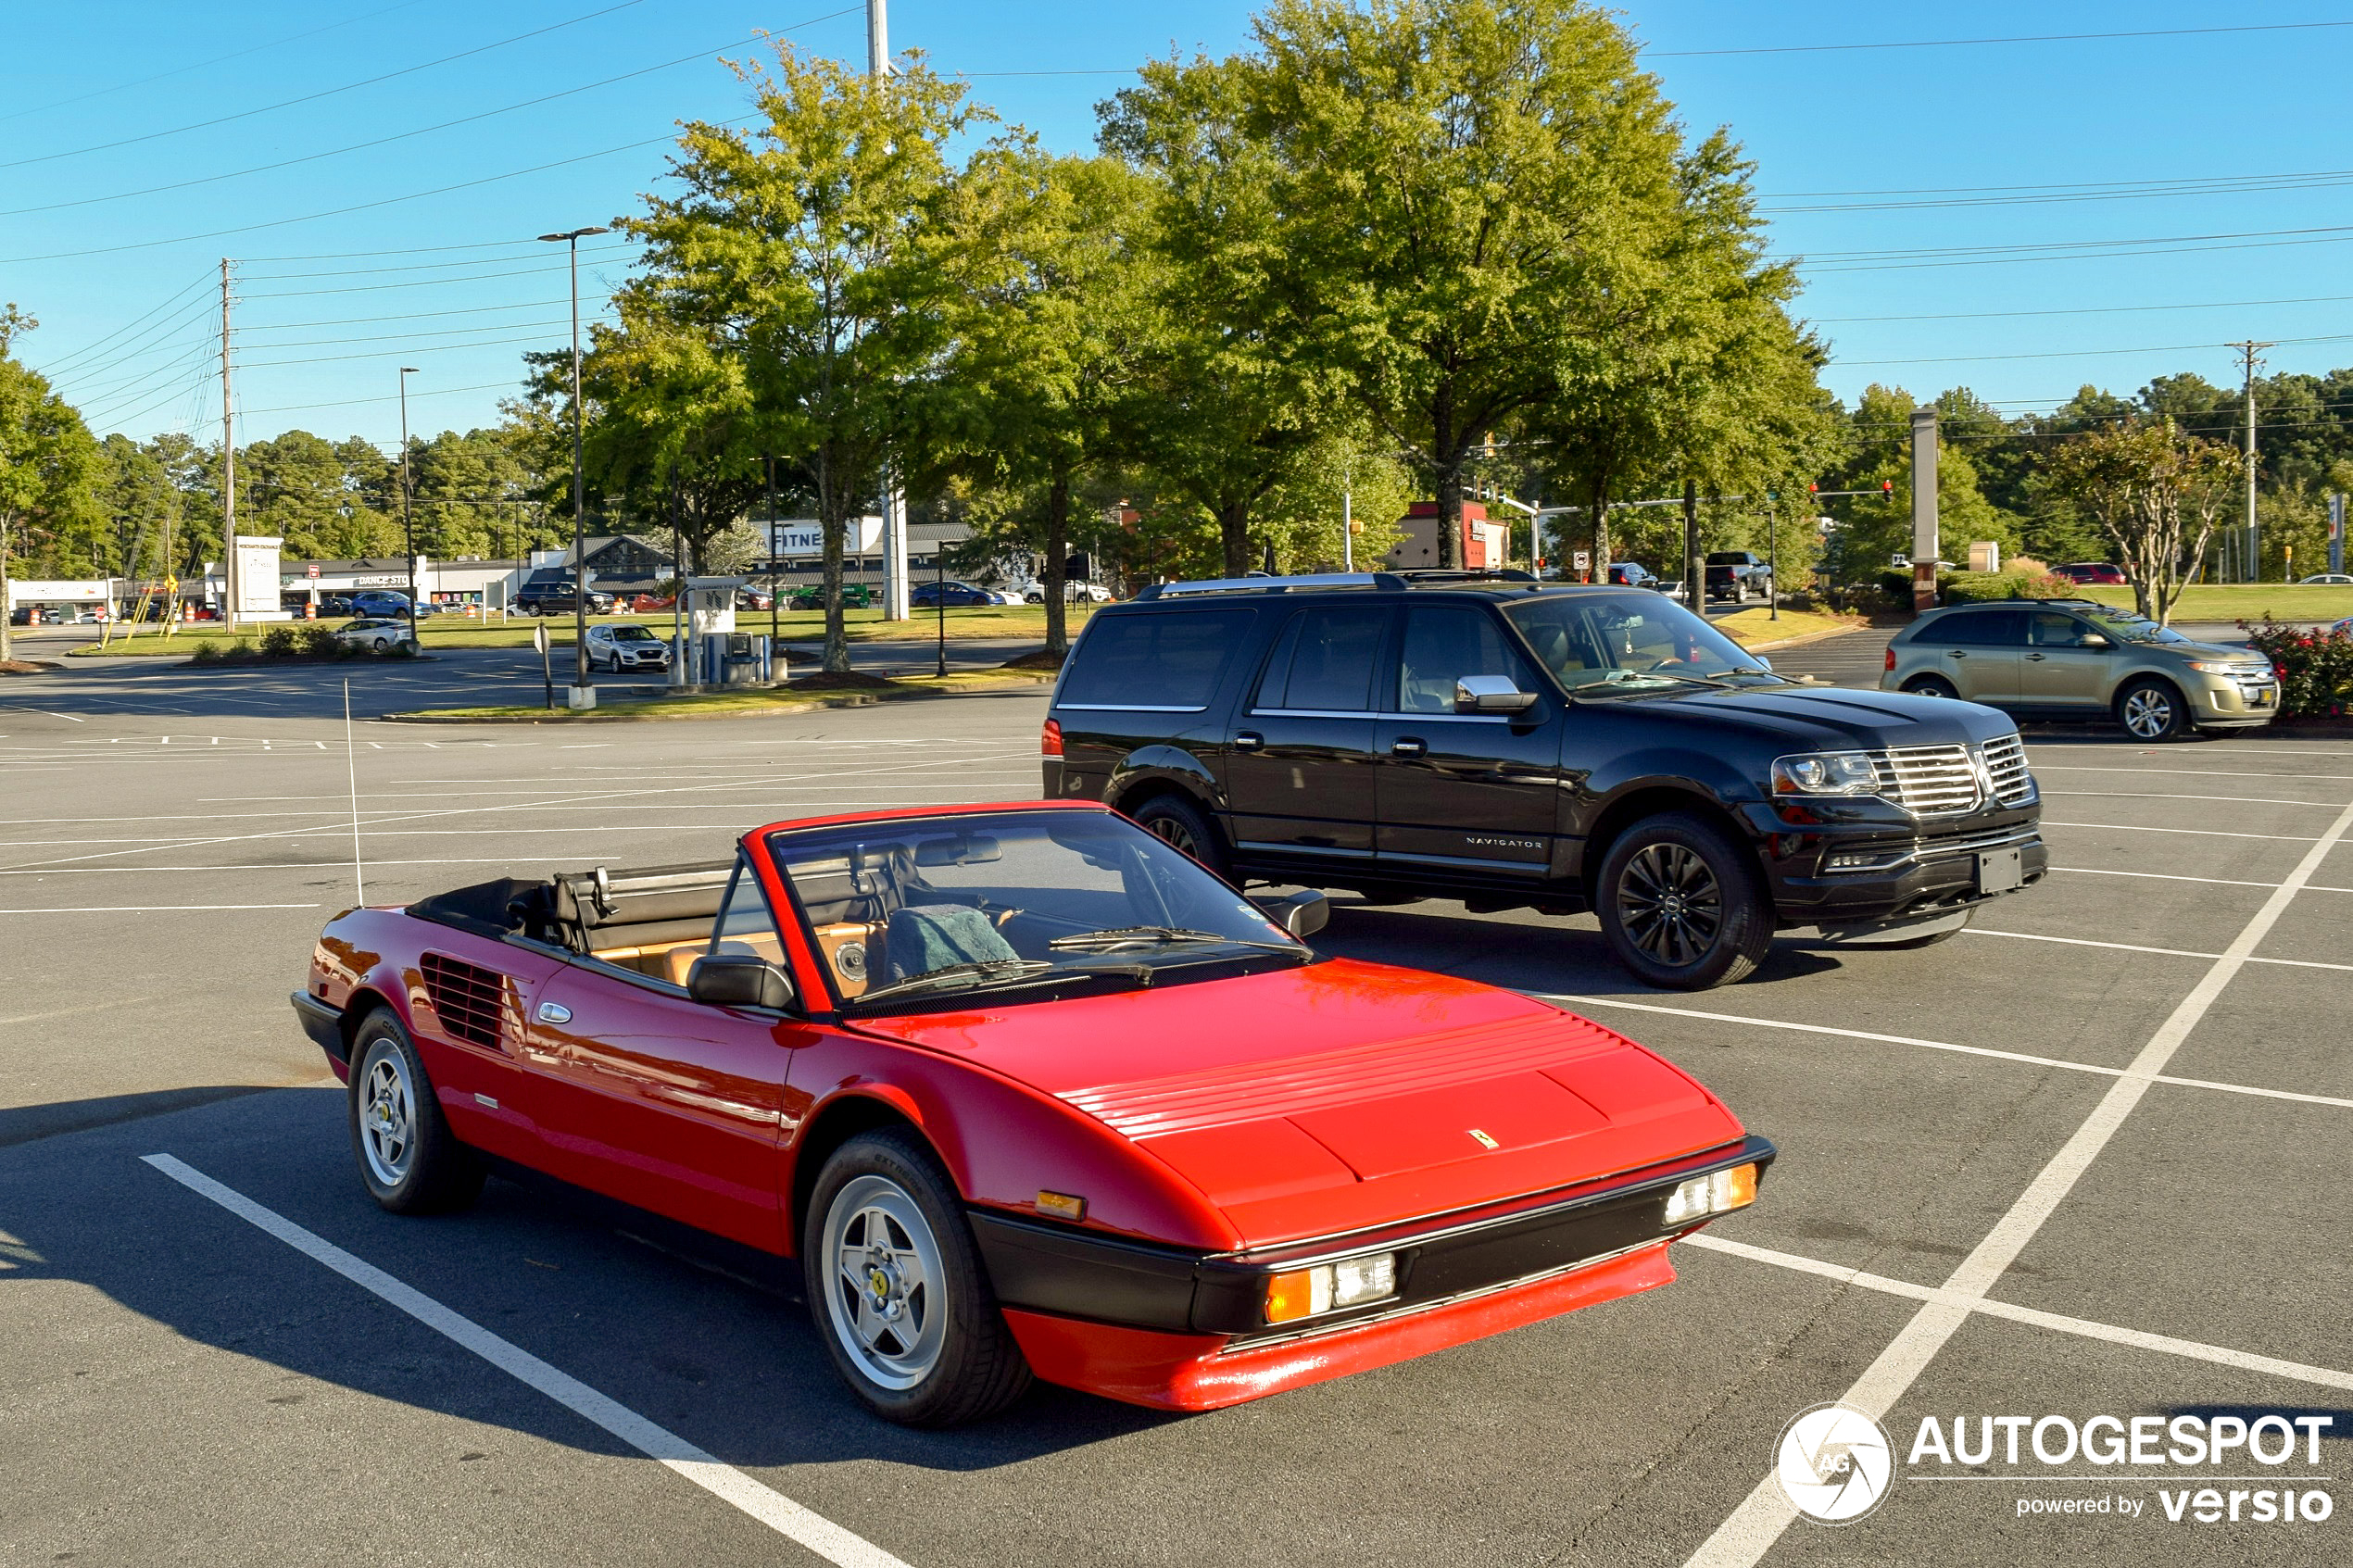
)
(1826, 773)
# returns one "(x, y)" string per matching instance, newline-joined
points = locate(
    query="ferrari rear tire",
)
(1682, 906)
(410, 1161)
(895, 1286)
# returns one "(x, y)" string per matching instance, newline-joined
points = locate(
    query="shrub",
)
(403, 649)
(278, 643)
(321, 642)
(206, 653)
(1981, 587)
(2315, 668)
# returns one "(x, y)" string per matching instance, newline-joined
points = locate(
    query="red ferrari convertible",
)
(1027, 1093)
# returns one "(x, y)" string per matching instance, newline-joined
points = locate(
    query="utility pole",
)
(1694, 573)
(228, 471)
(408, 523)
(897, 597)
(2254, 536)
(583, 695)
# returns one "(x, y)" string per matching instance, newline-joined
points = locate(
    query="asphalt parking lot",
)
(2082, 1159)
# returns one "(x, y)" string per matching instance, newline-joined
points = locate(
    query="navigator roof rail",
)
(1388, 582)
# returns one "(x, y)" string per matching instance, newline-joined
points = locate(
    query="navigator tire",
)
(1682, 906)
(897, 1289)
(1182, 825)
(410, 1161)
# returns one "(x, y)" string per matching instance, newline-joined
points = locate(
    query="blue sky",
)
(328, 307)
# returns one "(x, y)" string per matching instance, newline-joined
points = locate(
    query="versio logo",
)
(1833, 1464)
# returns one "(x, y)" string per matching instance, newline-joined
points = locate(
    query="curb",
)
(652, 710)
(1801, 641)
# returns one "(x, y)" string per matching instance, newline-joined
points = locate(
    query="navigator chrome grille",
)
(1928, 781)
(2005, 771)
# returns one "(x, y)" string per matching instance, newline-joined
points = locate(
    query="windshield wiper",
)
(1158, 936)
(986, 972)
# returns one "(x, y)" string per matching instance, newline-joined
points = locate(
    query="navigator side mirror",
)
(1490, 694)
(739, 980)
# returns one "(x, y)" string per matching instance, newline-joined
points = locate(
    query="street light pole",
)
(408, 523)
(578, 529)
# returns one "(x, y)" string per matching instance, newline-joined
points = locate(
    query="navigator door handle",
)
(1407, 746)
(1247, 740)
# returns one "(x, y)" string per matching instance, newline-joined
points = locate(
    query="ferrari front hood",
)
(1321, 1100)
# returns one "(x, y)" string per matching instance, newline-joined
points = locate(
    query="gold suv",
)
(2059, 659)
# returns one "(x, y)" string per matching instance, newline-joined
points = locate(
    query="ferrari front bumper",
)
(1179, 1330)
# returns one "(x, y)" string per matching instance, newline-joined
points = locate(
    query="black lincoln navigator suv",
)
(1517, 744)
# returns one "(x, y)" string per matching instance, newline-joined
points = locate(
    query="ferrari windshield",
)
(1022, 903)
(1594, 642)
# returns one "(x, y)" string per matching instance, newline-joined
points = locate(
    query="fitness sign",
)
(2245, 1469)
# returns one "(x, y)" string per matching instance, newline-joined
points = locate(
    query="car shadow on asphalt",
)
(705, 1337)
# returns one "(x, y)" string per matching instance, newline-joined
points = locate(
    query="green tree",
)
(1461, 191)
(48, 466)
(808, 251)
(2158, 493)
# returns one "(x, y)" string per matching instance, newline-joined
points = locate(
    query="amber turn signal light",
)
(1061, 1205)
(1719, 1192)
(1292, 1295)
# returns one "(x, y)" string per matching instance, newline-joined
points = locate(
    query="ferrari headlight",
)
(1826, 773)
(1719, 1192)
(1327, 1287)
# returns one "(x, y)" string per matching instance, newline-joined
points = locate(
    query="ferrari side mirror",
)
(739, 980)
(1302, 914)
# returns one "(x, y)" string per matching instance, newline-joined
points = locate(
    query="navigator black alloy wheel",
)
(410, 1161)
(896, 1285)
(1181, 825)
(1680, 905)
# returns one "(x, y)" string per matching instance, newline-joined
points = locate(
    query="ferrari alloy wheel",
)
(895, 1286)
(1680, 905)
(2150, 709)
(408, 1159)
(1179, 825)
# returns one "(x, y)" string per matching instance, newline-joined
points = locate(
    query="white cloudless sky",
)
(120, 120)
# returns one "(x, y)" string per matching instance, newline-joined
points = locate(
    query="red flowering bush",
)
(2315, 668)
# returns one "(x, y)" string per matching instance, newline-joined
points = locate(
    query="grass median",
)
(804, 695)
(999, 622)
(2233, 602)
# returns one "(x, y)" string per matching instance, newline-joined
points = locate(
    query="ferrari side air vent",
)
(469, 1000)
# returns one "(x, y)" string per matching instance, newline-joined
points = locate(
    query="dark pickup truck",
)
(1738, 575)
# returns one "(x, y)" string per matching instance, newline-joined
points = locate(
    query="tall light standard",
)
(579, 530)
(407, 523)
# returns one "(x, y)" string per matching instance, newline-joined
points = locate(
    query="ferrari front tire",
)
(895, 1286)
(410, 1161)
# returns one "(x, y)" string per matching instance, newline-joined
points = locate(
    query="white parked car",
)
(2337, 577)
(626, 646)
(1072, 593)
(375, 634)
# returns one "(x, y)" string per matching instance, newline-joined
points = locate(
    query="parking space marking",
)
(1766, 1513)
(2195, 832)
(2030, 1061)
(2168, 795)
(2210, 880)
(762, 1502)
(2189, 772)
(2221, 1355)
(154, 908)
(2132, 948)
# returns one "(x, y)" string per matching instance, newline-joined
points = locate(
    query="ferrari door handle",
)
(554, 1013)
(1248, 740)
(1407, 746)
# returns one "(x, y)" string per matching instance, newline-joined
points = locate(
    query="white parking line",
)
(154, 908)
(2030, 1061)
(772, 1507)
(2168, 795)
(1766, 1513)
(2271, 1366)
(2188, 773)
(2198, 833)
(2132, 948)
(2210, 880)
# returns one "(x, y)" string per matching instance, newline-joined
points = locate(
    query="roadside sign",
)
(311, 571)
(547, 668)
(1581, 560)
(539, 636)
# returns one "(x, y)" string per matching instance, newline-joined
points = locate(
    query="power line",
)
(2073, 252)
(522, 249)
(2076, 352)
(90, 348)
(389, 397)
(1975, 43)
(539, 271)
(2122, 190)
(412, 316)
(2085, 310)
(138, 348)
(324, 92)
(2069, 244)
(404, 136)
(205, 65)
